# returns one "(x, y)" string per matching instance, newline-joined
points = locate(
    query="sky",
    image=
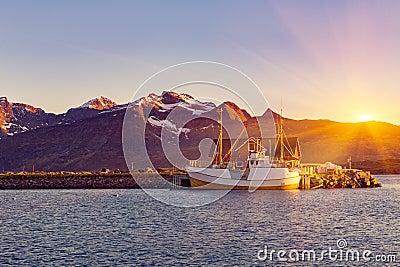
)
(337, 60)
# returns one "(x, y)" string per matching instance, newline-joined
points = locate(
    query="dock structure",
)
(305, 182)
(329, 176)
(313, 176)
(176, 181)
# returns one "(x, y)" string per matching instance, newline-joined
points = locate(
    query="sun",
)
(364, 118)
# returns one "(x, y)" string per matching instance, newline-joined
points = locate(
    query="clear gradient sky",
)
(338, 60)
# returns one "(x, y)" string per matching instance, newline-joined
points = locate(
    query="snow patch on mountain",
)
(171, 100)
(16, 128)
(207, 127)
(166, 124)
(151, 98)
(199, 108)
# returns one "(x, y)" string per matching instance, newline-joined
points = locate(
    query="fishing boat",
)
(262, 170)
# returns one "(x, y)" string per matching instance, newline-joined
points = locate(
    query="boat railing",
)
(207, 164)
(234, 165)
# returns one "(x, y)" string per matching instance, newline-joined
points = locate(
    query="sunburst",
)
(365, 118)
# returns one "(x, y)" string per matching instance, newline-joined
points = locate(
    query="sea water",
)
(129, 228)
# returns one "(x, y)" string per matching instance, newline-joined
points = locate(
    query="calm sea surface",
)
(94, 227)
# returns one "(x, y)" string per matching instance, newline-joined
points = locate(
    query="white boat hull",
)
(258, 179)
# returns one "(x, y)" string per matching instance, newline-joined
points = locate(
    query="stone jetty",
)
(349, 179)
(330, 176)
(340, 179)
(81, 180)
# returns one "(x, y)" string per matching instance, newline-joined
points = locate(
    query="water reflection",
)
(94, 227)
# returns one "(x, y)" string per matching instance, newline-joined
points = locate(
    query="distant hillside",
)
(387, 166)
(89, 137)
(324, 140)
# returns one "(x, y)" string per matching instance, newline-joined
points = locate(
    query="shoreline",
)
(96, 180)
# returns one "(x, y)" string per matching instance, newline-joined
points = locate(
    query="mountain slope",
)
(324, 140)
(87, 144)
(89, 138)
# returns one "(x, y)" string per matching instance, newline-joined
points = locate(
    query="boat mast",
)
(281, 135)
(220, 137)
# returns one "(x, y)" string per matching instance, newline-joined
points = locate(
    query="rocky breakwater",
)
(81, 180)
(347, 179)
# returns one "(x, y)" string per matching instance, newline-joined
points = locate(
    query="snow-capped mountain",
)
(89, 137)
(182, 122)
(167, 110)
(101, 103)
(171, 109)
(89, 109)
(161, 106)
(17, 117)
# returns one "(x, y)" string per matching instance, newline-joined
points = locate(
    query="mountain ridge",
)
(124, 104)
(89, 139)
